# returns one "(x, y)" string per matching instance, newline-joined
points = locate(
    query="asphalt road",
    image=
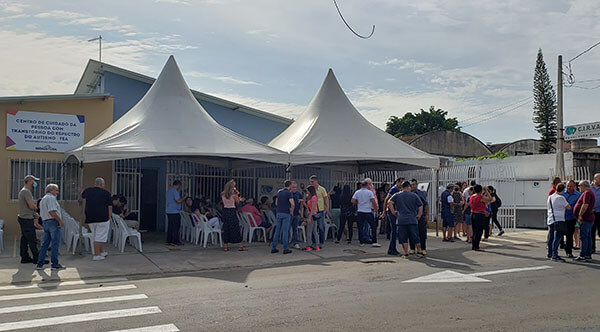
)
(360, 293)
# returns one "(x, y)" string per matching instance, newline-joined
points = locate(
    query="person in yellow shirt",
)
(322, 206)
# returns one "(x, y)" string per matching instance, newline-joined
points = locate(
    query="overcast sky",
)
(469, 57)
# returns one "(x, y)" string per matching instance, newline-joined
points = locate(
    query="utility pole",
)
(559, 169)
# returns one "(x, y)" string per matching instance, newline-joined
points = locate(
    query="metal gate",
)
(127, 181)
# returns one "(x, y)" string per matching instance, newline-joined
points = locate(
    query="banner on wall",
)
(43, 132)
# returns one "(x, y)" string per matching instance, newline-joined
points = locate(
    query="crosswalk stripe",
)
(64, 292)
(156, 328)
(61, 283)
(52, 305)
(112, 314)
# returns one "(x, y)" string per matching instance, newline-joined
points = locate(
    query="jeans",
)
(365, 218)
(51, 235)
(555, 233)
(295, 222)
(585, 236)
(422, 229)
(480, 223)
(28, 239)
(282, 226)
(312, 231)
(174, 228)
(570, 231)
(321, 225)
(393, 233)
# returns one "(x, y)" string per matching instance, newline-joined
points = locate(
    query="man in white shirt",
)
(557, 228)
(52, 223)
(365, 201)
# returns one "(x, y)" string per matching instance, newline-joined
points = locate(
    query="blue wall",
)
(127, 92)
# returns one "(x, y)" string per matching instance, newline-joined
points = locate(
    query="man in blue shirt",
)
(297, 196)
(422, 227)
(408, 208)
(596, 227)
(285, 210)
(391, 217)
(174, 200)
(571, 195)
(447, 216)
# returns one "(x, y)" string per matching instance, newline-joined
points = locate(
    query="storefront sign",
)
(584, 130)
(43, 132)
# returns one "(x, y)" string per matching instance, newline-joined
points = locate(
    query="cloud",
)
(288, 110)
(13, 7)
(218, 77)
(97, 23)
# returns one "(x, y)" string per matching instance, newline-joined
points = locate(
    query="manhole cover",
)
(380, 261)
(355, 251)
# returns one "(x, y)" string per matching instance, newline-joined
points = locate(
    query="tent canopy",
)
(331, 130)
(169, 121)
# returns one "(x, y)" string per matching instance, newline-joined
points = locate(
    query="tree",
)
(420, 123)
(544, 105)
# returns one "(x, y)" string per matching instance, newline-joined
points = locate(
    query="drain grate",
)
(380, 261)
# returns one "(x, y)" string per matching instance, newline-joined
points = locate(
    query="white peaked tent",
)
(331, 130)
(169, 121)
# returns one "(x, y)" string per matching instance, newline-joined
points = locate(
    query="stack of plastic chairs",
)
(250, 221)
(127, 233)
(204, 228)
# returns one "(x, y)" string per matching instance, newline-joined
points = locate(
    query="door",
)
(149, 199)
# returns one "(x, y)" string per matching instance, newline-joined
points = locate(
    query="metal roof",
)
(14, 99)
(94, 69)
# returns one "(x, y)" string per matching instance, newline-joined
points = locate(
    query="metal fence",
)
(127, 181)
(64, 174)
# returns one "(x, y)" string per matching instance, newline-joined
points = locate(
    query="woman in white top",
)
(557, 228)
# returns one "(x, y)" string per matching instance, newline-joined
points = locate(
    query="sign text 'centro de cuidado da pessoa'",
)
(43, 132)
(584, 130)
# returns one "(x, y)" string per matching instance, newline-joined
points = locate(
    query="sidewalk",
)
(159, 259)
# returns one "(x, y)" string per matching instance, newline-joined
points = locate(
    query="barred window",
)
(65, 175)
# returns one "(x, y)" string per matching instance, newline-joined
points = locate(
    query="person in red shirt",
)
(585, 219)
(555, 182)
(478, 204)
(250, 208)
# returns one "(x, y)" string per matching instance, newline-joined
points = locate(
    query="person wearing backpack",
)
(495, 206)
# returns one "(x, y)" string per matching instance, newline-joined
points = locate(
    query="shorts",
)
(468, 219)
(408, 231)
(447, 219)
(100, 231)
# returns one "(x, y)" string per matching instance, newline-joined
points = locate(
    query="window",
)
(65, 175)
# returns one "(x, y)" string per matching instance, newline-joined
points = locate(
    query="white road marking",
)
(62, 283)
(65, 292)
(156, 328)
(27, 324)
(52, 305)
(452, 276)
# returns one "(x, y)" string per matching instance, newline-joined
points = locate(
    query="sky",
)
(472, 58)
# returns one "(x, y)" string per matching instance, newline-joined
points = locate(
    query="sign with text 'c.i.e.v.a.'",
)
(584, 130)
(43, 132)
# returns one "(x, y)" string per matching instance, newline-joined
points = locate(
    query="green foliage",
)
(420, 123)
(544, 114)
(497, 155)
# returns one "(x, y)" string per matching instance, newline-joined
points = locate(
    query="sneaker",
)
(548, 257)
(557, 259)
(58, 267)
(104, 254)
(376, 245)
(296, 246)
(274, 251)
(349, 242)
(288, 251)
(337, 242)
(445, 240)
(411, 252)
(317, 248)
(27, 260)
(307, 249)
(419, 255)
(39, 267)
(579, 259)
(98, 258)
(405, 256)
(424, 252)
(362, 244)
(451, 240)
(45, 262)
(501, 233)
(570, 256)
(588, 258)
(479, 250)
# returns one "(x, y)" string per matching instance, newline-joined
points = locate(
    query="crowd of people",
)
(573, 218)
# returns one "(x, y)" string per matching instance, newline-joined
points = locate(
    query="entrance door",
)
(149, 199)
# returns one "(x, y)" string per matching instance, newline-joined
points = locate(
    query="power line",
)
(584, 87)
(584, 52)
(497, 109)
(348, 25)
(570, 76)
(497, 114)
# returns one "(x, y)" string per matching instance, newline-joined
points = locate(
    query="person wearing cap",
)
(447, 216)
(27, 213)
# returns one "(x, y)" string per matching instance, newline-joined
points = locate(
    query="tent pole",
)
(436, 185)
(81, 212)
(288, 172)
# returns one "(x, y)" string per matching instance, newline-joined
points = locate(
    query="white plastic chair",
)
(1, 235)
(186, 228)
(302, 231)
(270, 217)
(207, 231)
(249, 219)
(128, 233)
(329, 225)
(244, 226)
(72, 231)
